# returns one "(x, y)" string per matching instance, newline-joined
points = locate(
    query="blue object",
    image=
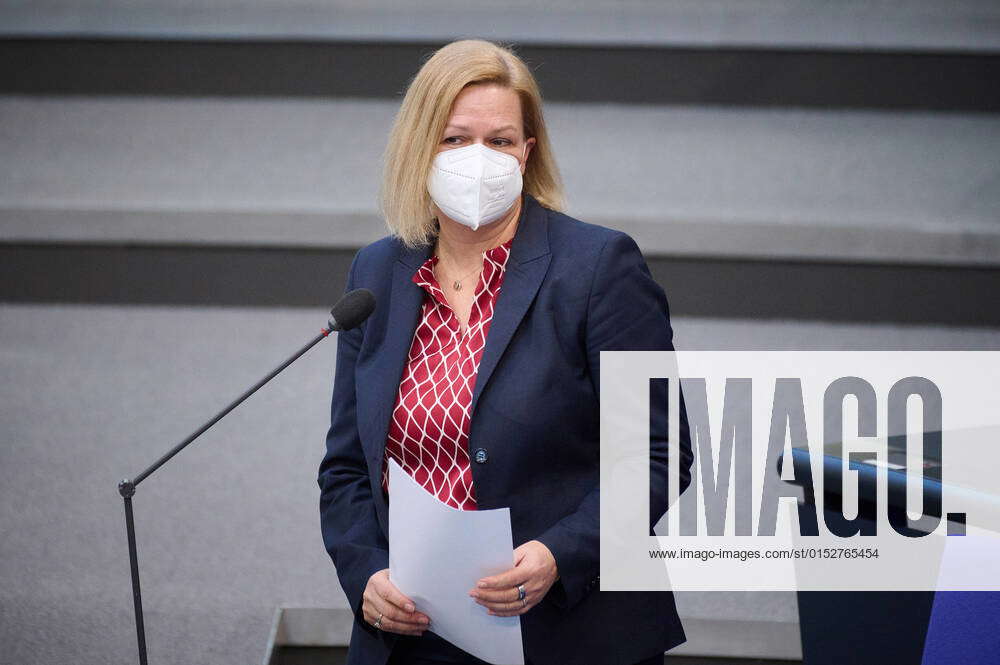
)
(964, 628)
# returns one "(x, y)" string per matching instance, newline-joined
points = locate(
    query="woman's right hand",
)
(399, 614)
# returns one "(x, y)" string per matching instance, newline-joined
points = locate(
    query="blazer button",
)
(480, 456)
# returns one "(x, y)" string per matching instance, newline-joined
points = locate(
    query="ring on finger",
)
(521, 593)
(378, 621)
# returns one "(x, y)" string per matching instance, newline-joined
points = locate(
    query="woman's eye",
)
(501, 142)
(452, 140)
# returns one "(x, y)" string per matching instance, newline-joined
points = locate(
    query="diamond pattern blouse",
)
(429, 430)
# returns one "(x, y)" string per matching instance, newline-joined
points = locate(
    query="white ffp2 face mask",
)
(474, 185)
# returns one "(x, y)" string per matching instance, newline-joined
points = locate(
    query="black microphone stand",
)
(127, 487)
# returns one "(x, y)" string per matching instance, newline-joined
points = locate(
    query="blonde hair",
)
(404, 200)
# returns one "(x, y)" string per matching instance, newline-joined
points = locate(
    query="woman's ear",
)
(528, 145)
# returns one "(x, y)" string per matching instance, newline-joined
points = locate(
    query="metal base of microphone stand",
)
(126, 488)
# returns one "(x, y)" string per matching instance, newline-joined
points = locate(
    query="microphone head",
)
(352, 309)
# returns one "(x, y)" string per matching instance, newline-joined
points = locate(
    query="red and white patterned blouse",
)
(429, 430)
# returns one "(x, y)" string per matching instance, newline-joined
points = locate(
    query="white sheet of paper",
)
(437, 554)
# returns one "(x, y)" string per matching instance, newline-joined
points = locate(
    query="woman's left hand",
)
(534, 568)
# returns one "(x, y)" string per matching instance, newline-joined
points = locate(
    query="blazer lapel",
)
(526, 267)
(405, 301)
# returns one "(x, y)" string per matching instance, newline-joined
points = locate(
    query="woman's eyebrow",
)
(464, 128)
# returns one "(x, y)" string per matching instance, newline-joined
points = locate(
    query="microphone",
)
(351, 310)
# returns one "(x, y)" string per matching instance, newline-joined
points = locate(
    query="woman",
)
(478, 373)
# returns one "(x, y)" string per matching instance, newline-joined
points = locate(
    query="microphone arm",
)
(350, 318)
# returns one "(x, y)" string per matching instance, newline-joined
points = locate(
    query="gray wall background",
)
(183, 184)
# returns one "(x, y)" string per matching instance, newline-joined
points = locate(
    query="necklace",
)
(457, 284)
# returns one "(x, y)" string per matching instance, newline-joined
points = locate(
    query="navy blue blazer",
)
(571, 289)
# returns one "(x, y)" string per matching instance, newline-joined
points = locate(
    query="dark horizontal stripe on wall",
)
(313, 277)
(174, 275)
(648, 75)
(912, 294)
